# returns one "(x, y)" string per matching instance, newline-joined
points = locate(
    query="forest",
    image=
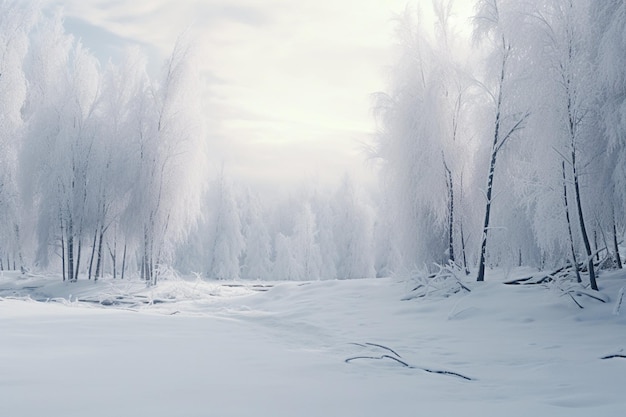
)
(499, 146)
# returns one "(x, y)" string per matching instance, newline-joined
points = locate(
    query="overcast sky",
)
(288, 83)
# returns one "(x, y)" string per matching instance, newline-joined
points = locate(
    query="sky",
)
(287, 84)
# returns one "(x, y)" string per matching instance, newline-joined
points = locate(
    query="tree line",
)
(507, 146)
(104, 171)
(97, 161)
(504, 146)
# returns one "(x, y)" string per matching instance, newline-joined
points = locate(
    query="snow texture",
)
(198, 348)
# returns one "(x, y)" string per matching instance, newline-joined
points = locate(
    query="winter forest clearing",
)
(205, 348)
(481, 272)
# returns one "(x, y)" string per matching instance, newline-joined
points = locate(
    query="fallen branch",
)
(406, 365)
(531, 280)
(614, 356)
(401, 362)
(595, 295)
(574, 300)
(397, 359)
(383, 347)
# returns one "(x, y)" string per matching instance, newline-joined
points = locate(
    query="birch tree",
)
(60, 108)
(16, 22)
(169, 151)
(491, 25)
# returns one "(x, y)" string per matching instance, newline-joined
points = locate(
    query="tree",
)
(353, 230)
(167, 150)
(609, 41)
(227, 242)
(490, 25)
(561, 42)
(16, 22)
(419, 139)
(64, 87)
(305, 248)
(257, 262)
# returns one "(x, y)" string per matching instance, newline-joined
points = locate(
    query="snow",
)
(199, 348)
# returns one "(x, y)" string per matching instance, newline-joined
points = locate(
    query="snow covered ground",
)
(196, 348)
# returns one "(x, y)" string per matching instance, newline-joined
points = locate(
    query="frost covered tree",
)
(16, 22)
(168, 153)
(411, 144)
(104, 151)
(564, 139)
(609, 34)
(123, 86)
(305, 248)
(257, 259)
(64, 87)
(226, 241)
(492, 25)
(285, 264)
(353, 232)
(425, 140)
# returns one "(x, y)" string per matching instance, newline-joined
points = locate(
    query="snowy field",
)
(196, 348)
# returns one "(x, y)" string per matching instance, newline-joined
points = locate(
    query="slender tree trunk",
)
(483, 244)
(497, 143)
(124, 261)
(146, 261)
(113, 254)
(595, 243)
(70, 250)
(618, 259)
(569, 224)
(93, 252)
(78, 253)
(62, 249)
(583, 228)
(19, 247)
(450, 212)
(467, 271)
(99, 257)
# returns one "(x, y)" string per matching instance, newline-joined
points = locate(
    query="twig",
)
(383, 347)
(574, 300)
(401, 362)
(380, 357)
(614, 356)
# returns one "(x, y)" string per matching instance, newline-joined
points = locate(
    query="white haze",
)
(287, 84)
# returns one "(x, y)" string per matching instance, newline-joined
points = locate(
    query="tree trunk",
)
(78, 250)
(99, 258)
(124, 261)
(618, 259)
(569, 225)
(583, 228)
(497, 143)
(595, 243)
(19, 247)
(483, 244)
(113, 254)
(62, 249)
(463, 250)
(450, 212)
(70, 251)
(93, 252)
